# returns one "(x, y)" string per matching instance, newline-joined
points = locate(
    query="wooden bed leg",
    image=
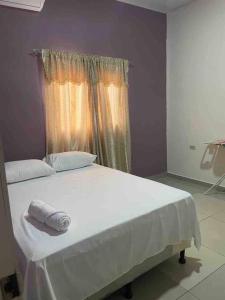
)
(127, 293)
(182, 259)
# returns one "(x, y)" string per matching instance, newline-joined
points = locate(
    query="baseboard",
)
(189, 179)
(207, 184)
(160, 175)
(164, 174)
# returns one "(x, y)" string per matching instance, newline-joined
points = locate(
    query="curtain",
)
(86, 106)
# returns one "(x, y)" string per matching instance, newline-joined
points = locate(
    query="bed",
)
(122, 225)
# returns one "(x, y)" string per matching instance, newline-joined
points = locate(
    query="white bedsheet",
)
(118, 221)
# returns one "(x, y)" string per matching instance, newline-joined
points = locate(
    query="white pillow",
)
(69, 160)
(26, 169)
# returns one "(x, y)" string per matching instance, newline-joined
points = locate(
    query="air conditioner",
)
(35, 5)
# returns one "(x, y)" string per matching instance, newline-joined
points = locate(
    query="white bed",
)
(118, 221)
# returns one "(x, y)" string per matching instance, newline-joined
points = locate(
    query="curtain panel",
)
(86, 105)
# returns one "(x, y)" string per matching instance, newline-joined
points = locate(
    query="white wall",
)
(196, 89)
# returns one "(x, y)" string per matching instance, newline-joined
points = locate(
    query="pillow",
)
(26, 169)
(69, 160)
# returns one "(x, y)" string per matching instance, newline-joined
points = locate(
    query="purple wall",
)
(104, 27)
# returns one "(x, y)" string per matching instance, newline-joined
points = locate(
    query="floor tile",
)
(213, 235)
(188, 296)
(154, 285)
(219, 217)
(201, 216)
(218, 195)
(212, 287)
(199, 265)
(207, 206)
(204, 273)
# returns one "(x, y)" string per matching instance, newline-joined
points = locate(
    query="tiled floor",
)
(203, 275)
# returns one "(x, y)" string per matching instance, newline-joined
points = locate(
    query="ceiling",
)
(158, 5)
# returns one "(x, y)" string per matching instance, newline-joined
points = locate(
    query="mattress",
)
(118, 221)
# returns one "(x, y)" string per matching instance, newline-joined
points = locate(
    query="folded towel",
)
(48, 215)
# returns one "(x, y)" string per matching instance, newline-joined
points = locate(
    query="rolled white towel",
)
(48, 215)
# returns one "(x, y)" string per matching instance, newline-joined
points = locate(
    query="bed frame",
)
(124, 283)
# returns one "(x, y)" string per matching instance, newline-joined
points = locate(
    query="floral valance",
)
(62, 66)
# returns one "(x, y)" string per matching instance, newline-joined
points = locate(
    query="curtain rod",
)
(37, 52)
